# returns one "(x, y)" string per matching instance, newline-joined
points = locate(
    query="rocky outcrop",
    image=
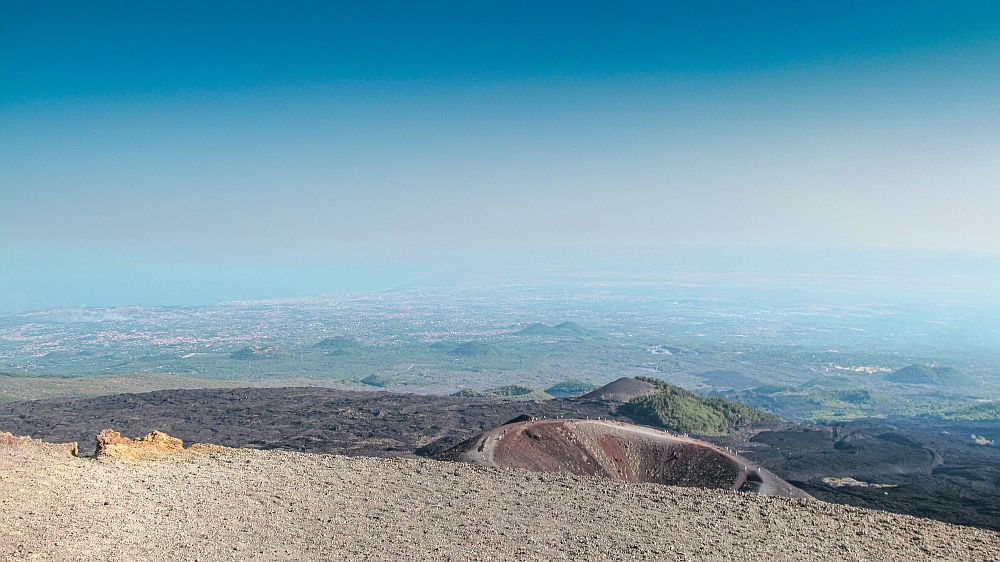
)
(16, 446)
(156, 444)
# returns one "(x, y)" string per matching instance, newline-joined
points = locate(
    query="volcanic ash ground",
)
(211, 503)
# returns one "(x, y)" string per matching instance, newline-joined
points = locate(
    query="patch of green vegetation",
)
(769, 389)
(570, 387)
(829, 381)
(856, 396)
(514, 391)
(983, 411)
(676, 409)
(510, 390)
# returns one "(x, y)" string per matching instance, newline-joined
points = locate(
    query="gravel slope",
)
(241, 504)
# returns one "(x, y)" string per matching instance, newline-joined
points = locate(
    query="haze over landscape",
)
(506, 280)
(161, 155)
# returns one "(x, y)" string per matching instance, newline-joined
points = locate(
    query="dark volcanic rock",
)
(922, 467)
(318, 420)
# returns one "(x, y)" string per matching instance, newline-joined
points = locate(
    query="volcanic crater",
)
(618, 451)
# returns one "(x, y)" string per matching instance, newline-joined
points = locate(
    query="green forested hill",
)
(676, 409)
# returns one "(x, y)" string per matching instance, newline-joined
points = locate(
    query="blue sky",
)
(193, 152)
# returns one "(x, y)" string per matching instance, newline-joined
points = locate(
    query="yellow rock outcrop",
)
(156, 444)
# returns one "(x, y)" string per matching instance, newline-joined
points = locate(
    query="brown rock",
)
(156, 444)
(20, 446)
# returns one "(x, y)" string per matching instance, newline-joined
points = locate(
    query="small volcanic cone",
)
(619, 451)
(621, 390)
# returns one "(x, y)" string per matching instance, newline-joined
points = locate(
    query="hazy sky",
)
(187, 152)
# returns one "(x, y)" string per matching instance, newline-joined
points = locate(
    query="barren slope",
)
(226, 504)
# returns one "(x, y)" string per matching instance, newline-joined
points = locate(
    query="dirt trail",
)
(229, 504)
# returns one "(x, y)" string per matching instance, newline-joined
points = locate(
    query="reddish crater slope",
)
(619, 451)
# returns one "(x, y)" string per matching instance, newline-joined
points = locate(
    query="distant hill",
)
(569, 387)
(621, 390)
(673, 408)
(513, 391)
(258, 351)
(850, 396)
(476, 349)
(381, 380)
(564, 329)
(925, 374)
(337, 344)
(767, 389)
(837, 382)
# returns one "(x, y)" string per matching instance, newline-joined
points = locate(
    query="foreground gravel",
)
(240, 504)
